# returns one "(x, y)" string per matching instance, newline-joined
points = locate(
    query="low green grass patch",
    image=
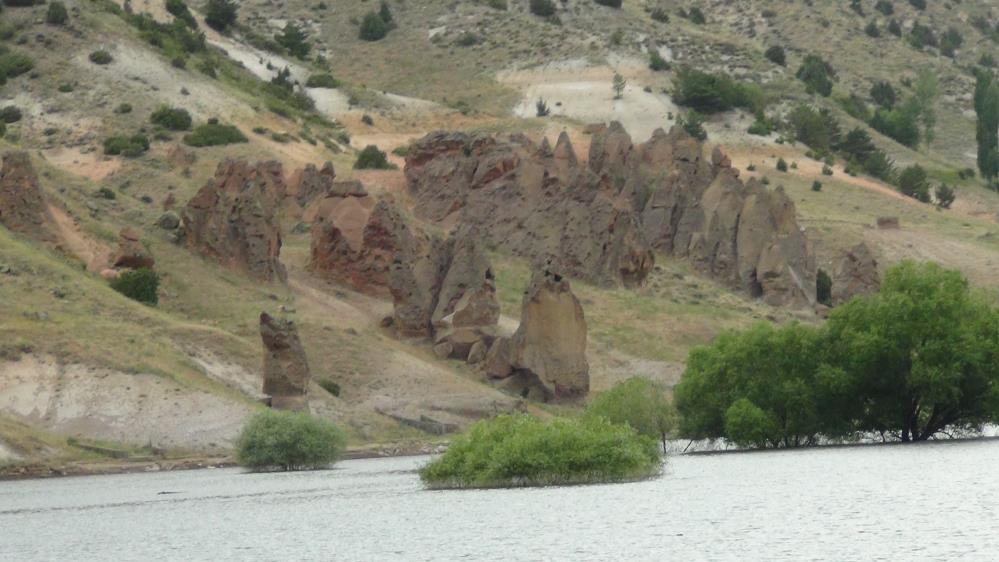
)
(518, 450)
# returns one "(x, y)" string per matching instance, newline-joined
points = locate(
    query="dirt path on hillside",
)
(95, 255)
(91, 165)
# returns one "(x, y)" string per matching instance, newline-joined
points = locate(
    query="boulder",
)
(286, 369)
(22, 206)
(549, 346)
(169, 221)
(233, 218)
(132, 253)
(855, 274)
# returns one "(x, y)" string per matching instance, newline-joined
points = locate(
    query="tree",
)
(139, 285)
(371, 158)
(944, 194)
(711, 93)
(883, 94)
(914, 183)
(987, 128)
(872, 30)
(543, 8)
(541, 108)
(276, 440)
(693, 124)
(640, 403)
(373, 27)
(817, 74)
(618, 85)
(823, 288)
(921, 356)
(220, 15)
(294, 40)
(656, 61)
(775, 54)
(384, 12)
(179, 10)
(926, 90)
(761, 387)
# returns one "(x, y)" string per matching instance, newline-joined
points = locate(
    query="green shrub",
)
(173, 118)
(609, 3)
(467, 39)
(277, 440)
(922, 36)
(711, 93)
(885, 7)
(918, 4)
(693, 124)
(214, 134)
(123, 108)
(816, 128)
(179, 10)
(827, 171)
(696, 16)
(106, 193)
(370, 158)
(497, 4)
(373, 27)
(367, 120)
(781, 165)
(659, 14)
(13, 64)
(330, 386)
(10, 114)
(816, 186)
(56, 13)
(775, 54)
(657, 62)
(541, 108)
(950, 42)
(872, 30)
(945, 195)
(518, 450)
(139, 285)
(894, 28)
(761, 127)
(640, 403)
(322, 81)
(543, 8)
(129, 147)
(221, 14)
(101, 57)
(900, 123)
(914, 182)
(817, 74)
(3, 129)
(884, 94)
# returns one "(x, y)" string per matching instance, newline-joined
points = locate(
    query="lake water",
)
(936, 501)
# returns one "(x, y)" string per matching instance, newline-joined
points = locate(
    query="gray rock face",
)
(307, 185)
(856, 274)
(286, 369)
(233, 220)
(546, 356)
(599, 221)
(22, 206)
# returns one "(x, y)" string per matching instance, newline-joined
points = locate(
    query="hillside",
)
(82, 364)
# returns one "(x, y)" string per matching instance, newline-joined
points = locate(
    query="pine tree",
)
(987, 134)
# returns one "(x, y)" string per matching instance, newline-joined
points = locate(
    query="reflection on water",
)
(937, 501)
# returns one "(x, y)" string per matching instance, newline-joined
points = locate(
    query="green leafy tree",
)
(817, 74)
(56, 13)
(371, 158)
(277, 440)
(220, 15)
(914, 183)
(373, 27)
(640, 403)
(927, 88)
(945, 195)
(618, 85)
(987, 126)
(921, 356)
(823, 288)
(179, 10)
(711, 93)
(884, 94)
(173, 118)
(294, 40)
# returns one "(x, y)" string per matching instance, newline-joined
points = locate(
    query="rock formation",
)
(856, 274)
(307, 185)
(531, 200)
(22, 206)
(131, 253)
(286, 370)
(601, 219)
(546, 357)
(232, 218)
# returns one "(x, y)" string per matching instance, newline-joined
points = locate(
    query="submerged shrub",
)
(139, 285)
(214, 134)
(277, 440)
(519, 450)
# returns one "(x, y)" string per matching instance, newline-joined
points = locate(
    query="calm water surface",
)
(926, 502)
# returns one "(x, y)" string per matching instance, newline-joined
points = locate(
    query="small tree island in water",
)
(518, 450)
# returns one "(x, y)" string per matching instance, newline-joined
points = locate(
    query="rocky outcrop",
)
(22, 206)
(233, 218)
(307, 185)
(546, 357)
(532, 200)
(856, 274)
(356, 244)
(286, 370)
(131, 252)
(600, 220)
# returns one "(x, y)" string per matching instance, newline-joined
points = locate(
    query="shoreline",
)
(70, 468)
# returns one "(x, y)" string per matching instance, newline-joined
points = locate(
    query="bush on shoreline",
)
(278, 440)
(640, 403)
(517, 450)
